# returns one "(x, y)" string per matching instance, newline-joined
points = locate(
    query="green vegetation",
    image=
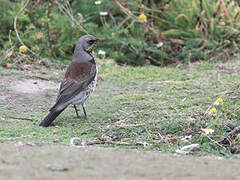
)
(173, 31)
(133, 106)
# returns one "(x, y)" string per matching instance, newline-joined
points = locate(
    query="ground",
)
(137, 116)
(62, 162)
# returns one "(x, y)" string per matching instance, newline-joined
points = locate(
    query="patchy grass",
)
(148, 108)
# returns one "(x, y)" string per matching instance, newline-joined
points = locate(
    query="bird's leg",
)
(84, 111)
(76, 111)
(85, 114)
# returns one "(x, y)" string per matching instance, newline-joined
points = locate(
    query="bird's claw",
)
(82, 117)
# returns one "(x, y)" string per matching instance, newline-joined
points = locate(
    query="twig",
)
(111, 142)
(164, 139)
(129, 125)
(48, 26)
(19, 118)
(36, 4)
(231, 136)
(123, 22)
(39, 77)
(125, 10)
(148, 133)
(112, 17)
(170, 82)
(58, 169)
(224, 93)
(130, 14)
(10, 40)
(15, 26)
(68, 6)
(120, 122)
(215, 142)
(67, 10)
(207, 111)
(114, 143)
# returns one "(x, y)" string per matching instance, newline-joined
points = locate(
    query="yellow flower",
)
(222, 23)
(213, 111)
(218, 102)
(22, 48)
(142, 17)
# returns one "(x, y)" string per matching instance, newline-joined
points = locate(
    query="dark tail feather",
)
(50, 118)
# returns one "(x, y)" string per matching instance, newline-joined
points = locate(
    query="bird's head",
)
(84, 47)
(87, 42)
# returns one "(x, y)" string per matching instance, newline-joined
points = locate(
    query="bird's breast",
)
(85, 94)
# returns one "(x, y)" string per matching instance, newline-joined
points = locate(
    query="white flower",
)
(98, 2)
(160, 44)
(103, 13)
(101, 52)
(218, 102)
(80, 16)
(208, 131)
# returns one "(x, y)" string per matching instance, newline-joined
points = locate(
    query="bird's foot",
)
(82, 117)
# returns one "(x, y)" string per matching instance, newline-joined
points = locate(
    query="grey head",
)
(84, 47)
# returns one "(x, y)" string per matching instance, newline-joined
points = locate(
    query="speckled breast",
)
(84, 95)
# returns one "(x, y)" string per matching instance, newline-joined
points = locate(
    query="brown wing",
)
(78, 76)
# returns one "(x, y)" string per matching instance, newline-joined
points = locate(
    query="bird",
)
(79, 81)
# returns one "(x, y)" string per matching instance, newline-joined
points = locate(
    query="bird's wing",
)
(78, 76)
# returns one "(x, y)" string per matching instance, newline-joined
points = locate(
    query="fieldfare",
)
(79, 81)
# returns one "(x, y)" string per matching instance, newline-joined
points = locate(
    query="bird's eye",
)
(90, 41)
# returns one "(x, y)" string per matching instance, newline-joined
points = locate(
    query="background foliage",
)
(174, 31)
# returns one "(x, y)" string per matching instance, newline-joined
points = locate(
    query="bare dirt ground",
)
(32, 85)
(22, 162)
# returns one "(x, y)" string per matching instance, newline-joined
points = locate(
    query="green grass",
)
(133, 105)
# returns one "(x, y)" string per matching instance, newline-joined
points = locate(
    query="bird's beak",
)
(99, 39)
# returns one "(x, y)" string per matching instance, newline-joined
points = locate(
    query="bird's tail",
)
(50, 118)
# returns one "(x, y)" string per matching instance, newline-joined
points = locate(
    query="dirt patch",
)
(19, 161)
(18, 93)
(32, 86)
